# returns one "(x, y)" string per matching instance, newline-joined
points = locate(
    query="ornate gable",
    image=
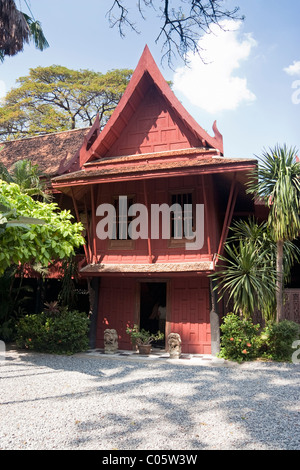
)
(154, 127)
(149, 118)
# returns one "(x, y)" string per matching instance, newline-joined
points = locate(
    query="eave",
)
(149, 269)
(212, 165)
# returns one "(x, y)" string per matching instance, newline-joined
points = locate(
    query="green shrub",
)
(64, 333)
(239, 339)
(277, 339)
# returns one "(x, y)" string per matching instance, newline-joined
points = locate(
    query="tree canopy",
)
(55, 98)
(55, 239)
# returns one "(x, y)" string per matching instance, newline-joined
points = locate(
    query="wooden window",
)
(182, 223)
(121, 223)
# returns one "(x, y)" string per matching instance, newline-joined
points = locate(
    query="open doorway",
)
(153, 299)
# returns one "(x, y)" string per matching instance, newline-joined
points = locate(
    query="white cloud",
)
(293, 69)
(212, 85)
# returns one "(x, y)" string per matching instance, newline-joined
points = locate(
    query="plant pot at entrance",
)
(143, 339)
(144, 349)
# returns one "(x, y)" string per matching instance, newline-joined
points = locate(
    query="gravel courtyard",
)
(82, 402)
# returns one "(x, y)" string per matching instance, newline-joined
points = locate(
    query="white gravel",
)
(82, 402)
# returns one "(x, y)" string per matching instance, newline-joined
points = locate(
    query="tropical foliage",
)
(65, 332)
(247, 274)
(242, 340)
(29, 178)
(143, 336)
(277, 183)
(55, 98)
(55, 239)
(17, 29)
(14, 298)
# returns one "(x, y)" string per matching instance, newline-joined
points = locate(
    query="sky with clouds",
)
(249, 80)
(218, 70)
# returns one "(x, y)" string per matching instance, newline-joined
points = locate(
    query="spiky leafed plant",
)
(28, 176)
(258, 236)
(276, 181)
(14, 29)
(17, 29)
(246, 276)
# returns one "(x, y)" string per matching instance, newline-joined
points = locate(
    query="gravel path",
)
(82, 402)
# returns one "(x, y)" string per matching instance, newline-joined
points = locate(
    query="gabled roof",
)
(147, 76)
(51, 152)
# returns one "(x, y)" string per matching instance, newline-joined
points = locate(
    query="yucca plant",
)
(259, 234)
(246, 277)
(276, 181)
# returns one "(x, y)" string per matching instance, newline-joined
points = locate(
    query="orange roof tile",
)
(52, 152)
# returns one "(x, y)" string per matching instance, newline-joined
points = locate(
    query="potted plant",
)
(142, 338)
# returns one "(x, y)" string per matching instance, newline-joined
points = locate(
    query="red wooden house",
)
(153, 152)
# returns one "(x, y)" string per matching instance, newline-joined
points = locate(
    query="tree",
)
(28, 177)
(248, 275)
(56, 98)
(17, 29)
(182, 25)
(55, 239)
(277, 182)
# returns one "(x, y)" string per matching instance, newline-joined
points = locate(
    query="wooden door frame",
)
(166, 281)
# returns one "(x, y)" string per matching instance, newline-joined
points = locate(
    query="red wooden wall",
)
(158, 192)
(153, 128)
(116, 308)
(190, 314)
(187, 304)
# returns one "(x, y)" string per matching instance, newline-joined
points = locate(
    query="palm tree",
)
(248, 275)
(277, 182)
(29, 178)
(17, 29)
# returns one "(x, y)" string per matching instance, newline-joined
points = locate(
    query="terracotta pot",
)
(144, 348)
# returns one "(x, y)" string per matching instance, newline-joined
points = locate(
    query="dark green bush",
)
(277, 340)
(239, 338)
(64, 333)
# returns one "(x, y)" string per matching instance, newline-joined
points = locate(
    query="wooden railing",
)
(292, 305)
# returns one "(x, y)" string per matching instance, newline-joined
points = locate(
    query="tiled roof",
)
(52, 152)
(152, 166)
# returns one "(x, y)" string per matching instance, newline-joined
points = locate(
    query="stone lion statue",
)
(110, 341)
(174, 343)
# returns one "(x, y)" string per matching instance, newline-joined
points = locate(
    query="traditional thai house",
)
(150, 153)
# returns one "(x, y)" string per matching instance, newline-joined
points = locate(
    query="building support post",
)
(93, 288)
(214, 321)
(150, 256)
(78, 220)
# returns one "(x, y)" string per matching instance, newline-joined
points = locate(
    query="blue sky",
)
(250, 83)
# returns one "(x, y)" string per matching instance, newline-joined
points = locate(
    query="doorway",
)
(153, 307)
